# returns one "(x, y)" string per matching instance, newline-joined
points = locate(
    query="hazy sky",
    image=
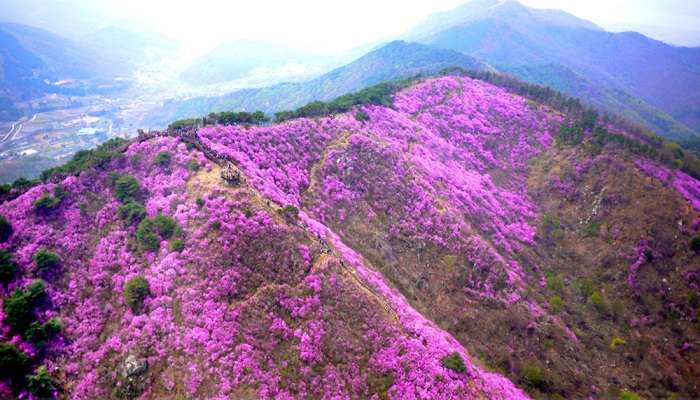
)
(327, 24)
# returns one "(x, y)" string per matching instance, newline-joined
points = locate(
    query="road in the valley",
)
(10, 132)
(17, 128)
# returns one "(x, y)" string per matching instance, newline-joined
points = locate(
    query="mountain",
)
(32, 59)
(461, 242)
(29, 57)
(61, 58)
(509, 35)
(612, 100)
(237, 59)
(17, 80)
(125, 47)
(394, 60)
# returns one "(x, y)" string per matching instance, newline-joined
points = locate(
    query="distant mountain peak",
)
(646, 80)
(509, 11)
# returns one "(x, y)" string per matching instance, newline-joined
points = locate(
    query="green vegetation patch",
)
(454, 362)
(5, 229)
(85, 159)
(131, 212)
(19, 307)
(151, 231)
(41, 384)
(135, 292)
(13, 362)
(126, 188)
(39, 334)
(46, 260)
(8, 266)
(163, 159)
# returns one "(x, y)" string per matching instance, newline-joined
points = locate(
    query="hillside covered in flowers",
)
(462, 242)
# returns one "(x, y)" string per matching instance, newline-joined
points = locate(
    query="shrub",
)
(554, 283)
(21, 183)
(131, 212)
(693, 299)
(591, 229)
(12, 361)
(46, 202)
(126, 188)
(41, 384)
(361, 116)
(615, 342)
(627, 395)
(135, 292)
(39, 334)
(166, 226)
(454, 362)
(177, 245)
(586, 286)
(193, 165)
(5, 229)
(570, 134)
(695, 244)
(599, 302)
(112, 178)
(232, 118)
(8, 266)
(147, 236)
(46, 260)
(380, 385)
(163, 159)
(185, 123)
(290, 213)
(557, 303)
(532, 377)
(19, 307)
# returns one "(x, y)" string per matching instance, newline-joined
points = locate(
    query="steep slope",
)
(424, 250)
(508, 33)
(392, 61)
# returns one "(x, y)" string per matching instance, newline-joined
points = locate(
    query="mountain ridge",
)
(376, 252)
(629, 62)
(391, 61)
